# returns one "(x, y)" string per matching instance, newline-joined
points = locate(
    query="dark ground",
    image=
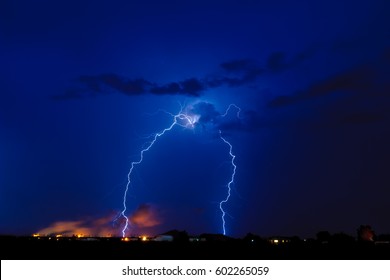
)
(26, 248)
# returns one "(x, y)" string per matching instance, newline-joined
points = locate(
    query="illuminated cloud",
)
(145, 215)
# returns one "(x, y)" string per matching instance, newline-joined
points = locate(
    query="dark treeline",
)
(365, 245)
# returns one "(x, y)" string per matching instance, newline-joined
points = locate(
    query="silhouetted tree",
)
(383, 237)
(295, 239)
(250, 237)
(323, 236)
(342, 238)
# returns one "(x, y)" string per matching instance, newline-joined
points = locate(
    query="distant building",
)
(88, 239)
(196, 239)
(277, 240)
(163, 238)
(132, 238)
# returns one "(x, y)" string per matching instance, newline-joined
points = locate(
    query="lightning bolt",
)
(186, 121)
(180, 119)
(229, 184)
(229, 107)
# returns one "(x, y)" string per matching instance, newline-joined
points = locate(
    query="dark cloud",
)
(105, 83)
(235, 73)
(231, 120)
(359, 80)
(278, 61)
(245, 71)
(113, 81)
(129, 87)
(207, 112)
(246, 121)
(358, 96)
(366, 80)
(171, 88)
(192, 87)
(249, 77)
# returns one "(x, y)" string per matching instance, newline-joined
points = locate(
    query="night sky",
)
(84, 83)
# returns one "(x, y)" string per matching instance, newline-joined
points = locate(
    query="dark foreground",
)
(22, 248)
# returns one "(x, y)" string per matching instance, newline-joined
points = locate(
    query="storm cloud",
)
(232, 73)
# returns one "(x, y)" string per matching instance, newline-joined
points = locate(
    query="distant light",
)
(144, 238)
(276, 241)
(252, 240)
(36, 235)
(58, 235)
(125, 239)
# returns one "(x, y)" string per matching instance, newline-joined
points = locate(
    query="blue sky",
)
(81, 85)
